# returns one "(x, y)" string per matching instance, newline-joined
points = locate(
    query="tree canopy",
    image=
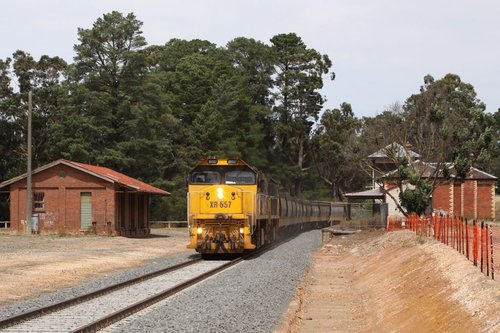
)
(446, 124)
(153, 111)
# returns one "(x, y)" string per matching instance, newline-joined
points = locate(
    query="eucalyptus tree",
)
(494, 164)
(299, 76)
(336, 151)
(10, 131)
(449, 123)
(446, 125)
(43, 78)
(19, 75)
(380, 131)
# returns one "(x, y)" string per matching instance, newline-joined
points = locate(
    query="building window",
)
(38, 201)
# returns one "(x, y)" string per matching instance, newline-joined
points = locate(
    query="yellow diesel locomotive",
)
(234, 208)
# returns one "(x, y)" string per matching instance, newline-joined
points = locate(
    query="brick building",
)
(473, 197)
(71, 197)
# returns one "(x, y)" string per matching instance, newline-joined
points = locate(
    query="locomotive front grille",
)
(214, 237)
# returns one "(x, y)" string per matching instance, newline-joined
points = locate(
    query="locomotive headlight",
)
(242, 230)
(199, 230)
(220, 193)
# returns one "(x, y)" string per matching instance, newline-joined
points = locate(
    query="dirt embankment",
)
(393, 282)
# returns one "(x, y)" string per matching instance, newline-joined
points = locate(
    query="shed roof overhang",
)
(375, 193)
(105, 174)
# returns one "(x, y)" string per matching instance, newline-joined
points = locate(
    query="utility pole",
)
(29, 194)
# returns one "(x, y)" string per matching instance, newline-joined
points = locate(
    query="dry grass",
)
(32, 265)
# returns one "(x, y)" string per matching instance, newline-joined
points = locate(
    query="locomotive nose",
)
(221, 199)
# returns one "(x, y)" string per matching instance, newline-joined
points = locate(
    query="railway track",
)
(96, 310)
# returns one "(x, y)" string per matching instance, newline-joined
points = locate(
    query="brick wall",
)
(469, 199)
(485, 200)
(457, 199)
(62, 187)
(441, 198)
(473, 199)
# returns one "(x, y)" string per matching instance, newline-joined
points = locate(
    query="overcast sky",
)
(381, 49)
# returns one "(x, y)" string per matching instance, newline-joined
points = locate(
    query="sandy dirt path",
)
(393, 282)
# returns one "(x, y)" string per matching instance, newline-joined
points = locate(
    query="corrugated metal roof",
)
(394, 150)
(479, 174)
(121, 178)
(375, 193)
(100, 172)
(428, 170)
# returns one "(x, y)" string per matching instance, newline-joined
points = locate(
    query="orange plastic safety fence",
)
(395, 223)
(477, 241)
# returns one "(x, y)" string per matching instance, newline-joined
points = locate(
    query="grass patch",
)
(420, 240)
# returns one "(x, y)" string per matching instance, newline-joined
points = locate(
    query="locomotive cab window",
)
(205, 177)
(242, 177)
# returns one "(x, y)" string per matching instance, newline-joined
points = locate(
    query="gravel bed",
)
(72, 318)
(92, 285)
(251, 297)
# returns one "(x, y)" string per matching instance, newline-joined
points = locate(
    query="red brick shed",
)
(472, 198)
(71, 197)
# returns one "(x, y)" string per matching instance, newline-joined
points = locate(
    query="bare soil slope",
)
(393, 282)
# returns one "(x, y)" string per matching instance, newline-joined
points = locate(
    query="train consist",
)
(234, 208)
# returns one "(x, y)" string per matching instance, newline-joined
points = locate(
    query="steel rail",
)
(126, 312)
(123, 313)
(79, 299)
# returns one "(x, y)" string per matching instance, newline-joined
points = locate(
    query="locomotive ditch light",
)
(242, 230)
(212, 161)
(199, 230)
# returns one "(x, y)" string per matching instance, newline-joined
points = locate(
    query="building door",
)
(85, 210)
